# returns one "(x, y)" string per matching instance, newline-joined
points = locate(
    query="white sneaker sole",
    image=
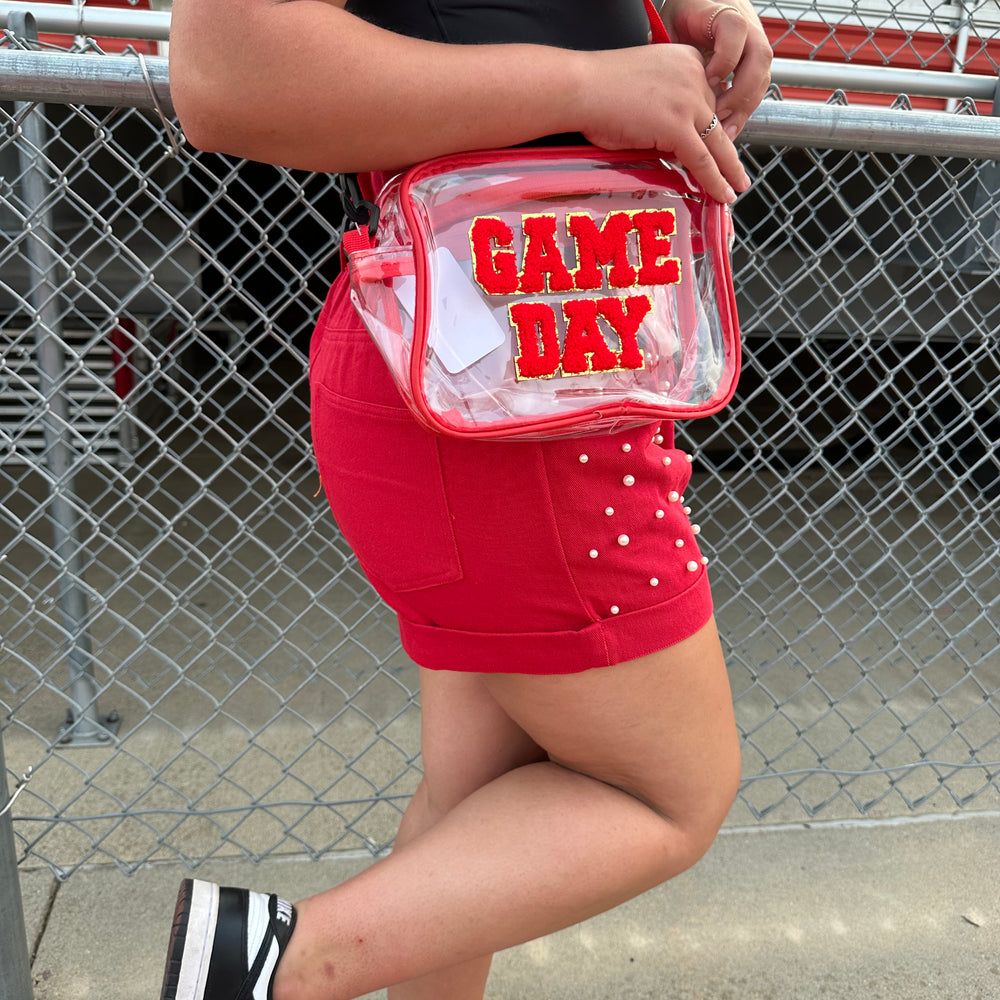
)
(190, 952)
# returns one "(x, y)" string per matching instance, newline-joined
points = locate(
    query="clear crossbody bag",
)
(543, 292)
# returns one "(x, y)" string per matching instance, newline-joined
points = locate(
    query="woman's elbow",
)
(209, 122)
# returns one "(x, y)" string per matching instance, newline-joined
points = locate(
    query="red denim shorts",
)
(539, 557)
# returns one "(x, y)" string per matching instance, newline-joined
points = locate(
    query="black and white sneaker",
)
(225, 943)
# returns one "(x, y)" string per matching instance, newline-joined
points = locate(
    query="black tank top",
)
(570, 24)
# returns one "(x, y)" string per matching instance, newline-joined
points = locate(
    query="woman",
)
(578, 738)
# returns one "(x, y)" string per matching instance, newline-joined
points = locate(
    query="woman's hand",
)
(730, 35)
(658, 97)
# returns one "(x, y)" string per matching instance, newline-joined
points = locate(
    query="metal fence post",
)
(84, 726)
(15, 968)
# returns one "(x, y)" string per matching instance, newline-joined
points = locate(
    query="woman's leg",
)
(466, 741)
(645, 767)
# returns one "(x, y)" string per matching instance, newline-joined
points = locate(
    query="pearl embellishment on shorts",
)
(687, 510)
(666, 459)
(692, 566)
(704, 560)
(679, 543)
(658, 439)
(659, 513)
(623, 539)
(689, 458)
(584, 458)
(695, 529)
(609, 511)
(673, 496)
(626, 448)
(593, 553)
(628, 480)
(654, 582)
(614, 609)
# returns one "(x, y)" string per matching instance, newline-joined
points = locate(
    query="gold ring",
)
(715, 14)
(711, 125)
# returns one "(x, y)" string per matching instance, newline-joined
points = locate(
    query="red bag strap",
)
(658, 32)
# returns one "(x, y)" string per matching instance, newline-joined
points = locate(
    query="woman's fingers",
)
(725, 35)
(750, 82)
(713, 161)
(727, 158)
(740, 52)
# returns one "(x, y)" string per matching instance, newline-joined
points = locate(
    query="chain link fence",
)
(193, 664)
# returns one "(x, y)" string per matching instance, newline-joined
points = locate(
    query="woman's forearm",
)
(303, 83)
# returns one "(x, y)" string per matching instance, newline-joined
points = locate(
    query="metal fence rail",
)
(192, 662)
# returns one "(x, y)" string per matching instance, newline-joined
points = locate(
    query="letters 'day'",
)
(532, 293)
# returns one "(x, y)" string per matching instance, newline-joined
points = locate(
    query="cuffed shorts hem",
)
(603, 643)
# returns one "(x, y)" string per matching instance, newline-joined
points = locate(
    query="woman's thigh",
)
(660, 727)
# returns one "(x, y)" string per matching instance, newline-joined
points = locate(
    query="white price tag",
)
(463, 328)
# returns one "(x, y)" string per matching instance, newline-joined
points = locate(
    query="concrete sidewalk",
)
(905, 911)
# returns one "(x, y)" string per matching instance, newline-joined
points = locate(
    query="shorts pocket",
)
(381, 473)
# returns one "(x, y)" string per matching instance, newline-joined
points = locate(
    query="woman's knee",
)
(704, 823)
(697, 820)
(690, 812)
